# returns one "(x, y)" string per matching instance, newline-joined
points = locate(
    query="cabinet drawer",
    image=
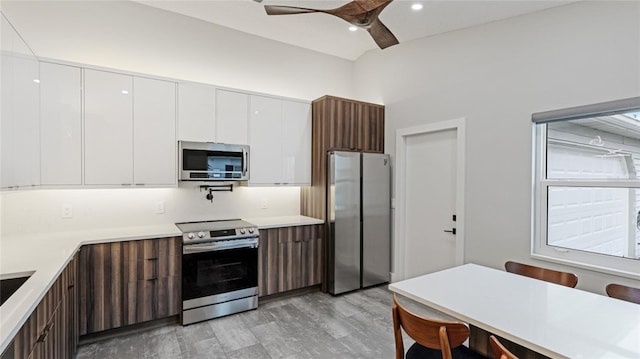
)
(169, 266)
(154, 248)
(153, 268)
(297, 234)
(140, 250)
(142, 269)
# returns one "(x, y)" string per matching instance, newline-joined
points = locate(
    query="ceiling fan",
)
(360, 13)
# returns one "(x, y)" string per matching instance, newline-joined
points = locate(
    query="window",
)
(587, 187)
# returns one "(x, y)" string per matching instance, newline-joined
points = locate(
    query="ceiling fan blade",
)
(369, 5)
(287, 10)
(381, 34)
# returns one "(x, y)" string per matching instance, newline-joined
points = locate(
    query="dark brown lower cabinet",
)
(268, 262)
(125, 283)
(71, 310)
(290, 258)
(49, 331)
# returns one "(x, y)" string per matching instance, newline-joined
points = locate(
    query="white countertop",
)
(48, 254)
(556, 321)
(284, 221)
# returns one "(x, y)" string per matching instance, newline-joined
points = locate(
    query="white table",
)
(550, 319)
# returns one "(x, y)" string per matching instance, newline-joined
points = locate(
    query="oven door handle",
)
(220, 246)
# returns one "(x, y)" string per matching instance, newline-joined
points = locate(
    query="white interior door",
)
(429, 194)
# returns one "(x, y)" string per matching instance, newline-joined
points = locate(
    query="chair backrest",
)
(499, 351)
(547, 275)
(619, 291)
(434, 334)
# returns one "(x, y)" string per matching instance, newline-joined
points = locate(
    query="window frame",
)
(626, 267)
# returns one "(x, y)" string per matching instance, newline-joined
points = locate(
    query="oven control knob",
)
(191, 235)
(250, 230)
(200, 234)
(242, 231)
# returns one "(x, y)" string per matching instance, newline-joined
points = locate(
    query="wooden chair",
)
(547, 275)
(619, 291)
(499, 351)
(434, 338)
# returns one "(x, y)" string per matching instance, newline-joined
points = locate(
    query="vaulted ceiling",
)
(331, 35)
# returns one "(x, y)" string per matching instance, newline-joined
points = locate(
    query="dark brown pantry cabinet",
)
(125, 283)
(49, 332)
(342, 125)
(289, 258)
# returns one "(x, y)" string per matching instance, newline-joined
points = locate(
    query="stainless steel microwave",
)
(208, 161)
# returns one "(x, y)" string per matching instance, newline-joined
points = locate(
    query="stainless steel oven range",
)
(219, 269)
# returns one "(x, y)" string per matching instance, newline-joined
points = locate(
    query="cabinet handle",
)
(139, 184)
(152, 259)
(45, 333)
(125, 184)
(152, 279)
(244, 163)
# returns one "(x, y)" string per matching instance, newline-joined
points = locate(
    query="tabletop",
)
(550, 319)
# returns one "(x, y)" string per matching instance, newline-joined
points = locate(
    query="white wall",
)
(134, 37)
(496, 76)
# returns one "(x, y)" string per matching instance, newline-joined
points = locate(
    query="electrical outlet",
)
(67, 211)
(160, 207)
(264, 203)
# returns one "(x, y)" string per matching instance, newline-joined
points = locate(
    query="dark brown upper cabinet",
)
(347, 125)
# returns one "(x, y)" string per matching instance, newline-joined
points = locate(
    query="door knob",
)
(452, 230)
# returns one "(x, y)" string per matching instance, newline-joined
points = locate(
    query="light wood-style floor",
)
(315, 325)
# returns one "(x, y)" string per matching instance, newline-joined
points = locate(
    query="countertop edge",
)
(283, 221)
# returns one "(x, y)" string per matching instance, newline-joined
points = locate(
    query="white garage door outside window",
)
(586, 188)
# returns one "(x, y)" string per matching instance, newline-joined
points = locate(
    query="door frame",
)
(399, 250)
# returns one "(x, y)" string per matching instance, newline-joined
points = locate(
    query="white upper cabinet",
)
(265, 135)
(154, 132)
(280, 141)
(108, 128)
(196, 112)
(296, 143)
(19, 121)
(60, 125)
(232, 112)
(130, 130)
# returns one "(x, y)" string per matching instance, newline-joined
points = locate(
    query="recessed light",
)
(353, 28)
(416, 6)
(124, 92)
(36, 81)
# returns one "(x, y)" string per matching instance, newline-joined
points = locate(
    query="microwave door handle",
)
(244, 162)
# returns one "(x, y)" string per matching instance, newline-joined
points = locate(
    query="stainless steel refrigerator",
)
(359, 220)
